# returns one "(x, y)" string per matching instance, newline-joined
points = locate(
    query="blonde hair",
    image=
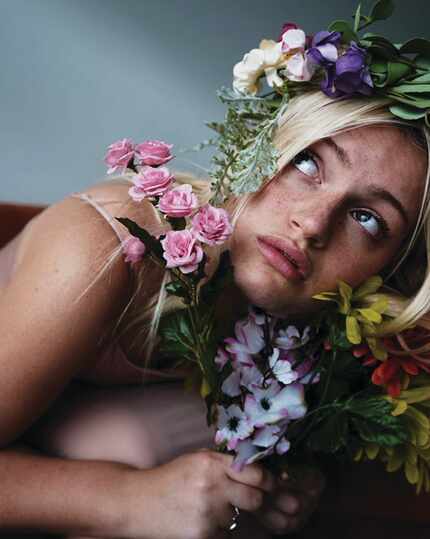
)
(309, 118)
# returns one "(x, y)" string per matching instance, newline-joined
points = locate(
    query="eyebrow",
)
(374, 190)
(379, 192)
(342, 154)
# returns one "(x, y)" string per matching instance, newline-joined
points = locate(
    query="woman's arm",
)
(73, 497)
(48, 335)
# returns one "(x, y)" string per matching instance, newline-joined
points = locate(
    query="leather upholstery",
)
(13, 218)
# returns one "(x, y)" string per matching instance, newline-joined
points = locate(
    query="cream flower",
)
(265, 60)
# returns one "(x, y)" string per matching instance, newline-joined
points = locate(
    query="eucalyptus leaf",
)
(417, 45)
(381, 10)
(345, 29)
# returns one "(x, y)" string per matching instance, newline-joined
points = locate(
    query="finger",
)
(253, 475)
(289, 503)
(275, 521)
(244, 497)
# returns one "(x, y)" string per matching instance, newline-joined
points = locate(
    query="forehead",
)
(386, 157)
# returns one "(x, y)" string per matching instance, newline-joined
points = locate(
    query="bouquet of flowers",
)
(340, 385)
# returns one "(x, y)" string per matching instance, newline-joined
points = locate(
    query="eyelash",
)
(384, 229)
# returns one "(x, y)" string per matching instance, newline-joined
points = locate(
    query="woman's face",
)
(343, 209)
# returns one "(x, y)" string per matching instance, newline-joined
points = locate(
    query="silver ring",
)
(234, 522)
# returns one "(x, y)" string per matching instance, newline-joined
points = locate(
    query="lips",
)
(285, 256)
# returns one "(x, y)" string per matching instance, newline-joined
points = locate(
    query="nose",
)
(313, 219)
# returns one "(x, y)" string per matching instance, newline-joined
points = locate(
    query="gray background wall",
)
(78, 74)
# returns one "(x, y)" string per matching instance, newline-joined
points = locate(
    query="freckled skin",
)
(315, 213)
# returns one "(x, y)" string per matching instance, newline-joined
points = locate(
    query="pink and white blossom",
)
(153, 152)
(272, 404)
(231, 385)
(233, 425)
(181, 250)
(119, 155)
(293, 40)
(299, 68)
(150, 182)
(133, 249)
(282, 367)
(212, 225)
(249, 340)
(247, 453)
(290, 338)
(178, 202)
(221, 358)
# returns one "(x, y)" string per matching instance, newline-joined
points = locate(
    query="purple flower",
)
(323, 50)
(349, 75)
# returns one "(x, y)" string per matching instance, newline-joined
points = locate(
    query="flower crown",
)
(342, 61)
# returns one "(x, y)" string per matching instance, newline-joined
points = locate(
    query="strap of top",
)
(121, 234)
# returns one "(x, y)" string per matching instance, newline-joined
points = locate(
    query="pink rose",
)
(153, 152)
(150, 182)
(212, 225)
(133, 248)
(181, 250)
(119, 155)
(178, 202)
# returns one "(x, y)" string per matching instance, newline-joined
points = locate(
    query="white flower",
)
(247, 453)
(299, 68)
(293, 40)
(267, 59)
(289, 338)
(249, 340)
(270, 405)
(233, 425)
(281, 368)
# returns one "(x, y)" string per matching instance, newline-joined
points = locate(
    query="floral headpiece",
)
(342, 61)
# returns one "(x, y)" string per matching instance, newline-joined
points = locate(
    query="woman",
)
(104, 461)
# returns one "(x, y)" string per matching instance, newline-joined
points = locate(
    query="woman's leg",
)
(139, 425)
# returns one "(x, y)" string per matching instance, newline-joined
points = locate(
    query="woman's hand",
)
(291, 504)
(191, 497)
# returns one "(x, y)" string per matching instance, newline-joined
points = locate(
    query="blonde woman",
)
(87, 449)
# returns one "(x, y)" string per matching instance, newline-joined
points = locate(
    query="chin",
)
(266, 289)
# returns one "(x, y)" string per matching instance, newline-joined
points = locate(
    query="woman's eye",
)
(306, 163)
(371, 223)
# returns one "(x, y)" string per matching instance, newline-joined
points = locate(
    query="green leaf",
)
(209, 292)
(357, 18)
(353, 332)
(374, 422)
(178, 288)
(370, 286)
(177, 223)
(417, 45)
(345, 29)
(406, 112)
(423, 62)
(396, 71)
(381, 10)
(407, 88)
(345, 292)
(151, 243)
(330, 435)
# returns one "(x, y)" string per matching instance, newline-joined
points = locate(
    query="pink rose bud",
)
(119, 155)
(212, 225)
(181, 250)
(178, 202)
(133, 249)
(150, 182)
(153, 152)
